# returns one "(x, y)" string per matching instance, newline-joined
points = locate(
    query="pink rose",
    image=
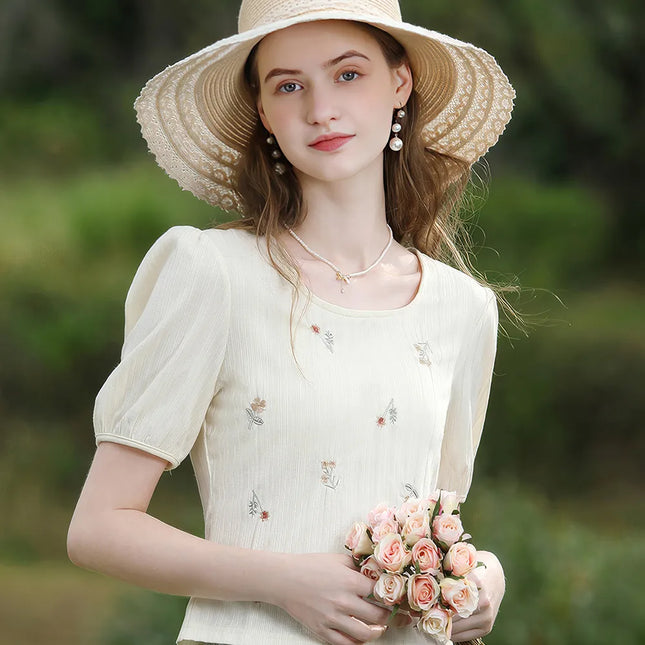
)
(436, 622)
(423, 591)
(391, 554)
(461, 594)
(379, 514)
(389, 588)
(417, 526)
(427, 556)
(460, 559)
(410, 506)
(370, 568)
(447, 529)
(388, 525)
(358, 541)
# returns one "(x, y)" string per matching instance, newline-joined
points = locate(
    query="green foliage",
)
(550, 235)
(142, 617)
(69, 253)
(570, 395)
(565, 582)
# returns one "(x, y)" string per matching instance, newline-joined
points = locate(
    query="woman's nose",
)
(321, 105)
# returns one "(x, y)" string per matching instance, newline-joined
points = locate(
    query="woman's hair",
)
(424, 189)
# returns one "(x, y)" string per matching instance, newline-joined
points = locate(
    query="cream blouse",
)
(388, 403)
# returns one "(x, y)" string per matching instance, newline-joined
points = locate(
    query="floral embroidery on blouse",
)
(409, 490)
(389, 416)
(327, 337)
(255, 507)
(255, 410)
(424, 352)
(328, 477)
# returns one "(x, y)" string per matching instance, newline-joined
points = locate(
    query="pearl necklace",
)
(345, 277)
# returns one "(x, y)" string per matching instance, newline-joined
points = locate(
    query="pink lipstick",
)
(329, 142)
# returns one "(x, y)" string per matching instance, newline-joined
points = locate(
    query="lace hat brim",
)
(197, 115)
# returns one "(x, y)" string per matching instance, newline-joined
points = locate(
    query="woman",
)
(345, 138)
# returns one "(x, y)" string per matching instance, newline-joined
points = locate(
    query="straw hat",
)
(197, 115)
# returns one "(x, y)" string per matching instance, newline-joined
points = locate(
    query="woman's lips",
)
(331, 143)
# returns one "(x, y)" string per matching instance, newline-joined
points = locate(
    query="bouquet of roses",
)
(419, 556)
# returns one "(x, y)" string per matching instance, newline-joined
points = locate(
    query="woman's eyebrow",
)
(280, 71)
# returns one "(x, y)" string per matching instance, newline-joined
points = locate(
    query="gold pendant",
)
(344, 279)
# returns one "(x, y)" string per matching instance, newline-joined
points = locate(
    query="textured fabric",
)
(197, 116)
(388, 403)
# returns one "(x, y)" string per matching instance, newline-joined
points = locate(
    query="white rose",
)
(389, 588)
(436, 622)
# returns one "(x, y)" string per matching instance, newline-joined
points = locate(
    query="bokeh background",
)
(558, 491)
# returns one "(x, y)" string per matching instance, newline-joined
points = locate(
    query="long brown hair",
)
(424, 190)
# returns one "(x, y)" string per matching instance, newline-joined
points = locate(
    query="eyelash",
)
(357, 74)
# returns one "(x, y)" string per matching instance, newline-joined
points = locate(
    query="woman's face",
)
(329, 79)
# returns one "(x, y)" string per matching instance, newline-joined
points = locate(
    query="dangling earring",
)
(278, 167)
(395, 143)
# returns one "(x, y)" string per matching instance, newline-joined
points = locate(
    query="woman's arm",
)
(491, 583)
(111, 532)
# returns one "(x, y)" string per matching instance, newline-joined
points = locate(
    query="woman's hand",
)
(490, 581)
(326, 593)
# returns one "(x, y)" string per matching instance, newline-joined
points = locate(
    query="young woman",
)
(318, 355)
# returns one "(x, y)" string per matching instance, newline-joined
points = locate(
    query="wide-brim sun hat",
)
(197, 115)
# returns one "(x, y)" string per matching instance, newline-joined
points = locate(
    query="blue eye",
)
(289, 88)
(349, 76)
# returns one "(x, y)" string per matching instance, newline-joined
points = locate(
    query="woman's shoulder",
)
(454, 284)
(192, 247)
(190, 238)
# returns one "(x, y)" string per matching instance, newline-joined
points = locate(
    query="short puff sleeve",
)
(469, 400)
(176, 326)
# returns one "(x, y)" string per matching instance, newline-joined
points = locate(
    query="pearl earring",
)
(278, 167)
(395, 143)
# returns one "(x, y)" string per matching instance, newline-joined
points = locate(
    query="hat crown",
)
(257, 13)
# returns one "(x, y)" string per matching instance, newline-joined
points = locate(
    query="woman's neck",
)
(345, 220)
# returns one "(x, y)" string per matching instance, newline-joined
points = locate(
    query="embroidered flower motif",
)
(409, 491)
(389, 416)
(424, 352)
(327, 337)
(255, 410)
(255, 507)
(328, 477)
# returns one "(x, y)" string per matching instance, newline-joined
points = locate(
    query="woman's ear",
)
(262, 115)
(403, 83)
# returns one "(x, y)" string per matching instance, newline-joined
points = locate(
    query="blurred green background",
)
(558, 486)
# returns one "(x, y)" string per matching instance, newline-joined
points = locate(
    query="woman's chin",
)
(338, 169)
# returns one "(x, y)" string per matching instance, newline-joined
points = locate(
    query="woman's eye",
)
(349, 76)
(289, 88)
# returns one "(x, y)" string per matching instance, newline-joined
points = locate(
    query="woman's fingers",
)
(371, 614)
(475, 626)
(358, 630)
